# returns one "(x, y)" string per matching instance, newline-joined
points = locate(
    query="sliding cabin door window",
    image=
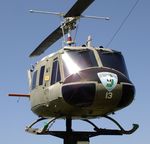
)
(34, 79)
(55, 77)
(41, 75)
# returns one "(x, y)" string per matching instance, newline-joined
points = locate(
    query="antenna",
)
(89, 41)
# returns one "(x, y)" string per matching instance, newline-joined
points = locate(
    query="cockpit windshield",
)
(113, 60)
(74, 61)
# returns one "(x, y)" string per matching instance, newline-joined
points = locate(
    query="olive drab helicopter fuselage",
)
(80, 82)
(77, 82)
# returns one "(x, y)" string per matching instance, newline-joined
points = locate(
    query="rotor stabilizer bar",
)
(62, 14)
(47, 12)
(75, 11)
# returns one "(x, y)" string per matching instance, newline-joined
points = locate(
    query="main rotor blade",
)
(78, 8)
(52, 38)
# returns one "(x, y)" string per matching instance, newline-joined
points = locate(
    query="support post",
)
(71, 137)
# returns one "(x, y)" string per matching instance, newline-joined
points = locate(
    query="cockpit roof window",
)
(74, 61)
(113, 60)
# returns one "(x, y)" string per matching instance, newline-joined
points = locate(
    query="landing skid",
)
(77, 137)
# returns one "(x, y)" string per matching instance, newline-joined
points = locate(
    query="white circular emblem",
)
(108, 79)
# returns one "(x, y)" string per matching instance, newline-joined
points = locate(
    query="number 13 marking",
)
(108, 95)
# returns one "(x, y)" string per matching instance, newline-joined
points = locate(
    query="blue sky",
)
(21, 32)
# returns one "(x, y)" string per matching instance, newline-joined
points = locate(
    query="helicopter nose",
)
(81, 95)
(78, 94)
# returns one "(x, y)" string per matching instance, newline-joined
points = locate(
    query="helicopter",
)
(77, 82)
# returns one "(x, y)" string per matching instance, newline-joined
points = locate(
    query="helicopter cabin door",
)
(55, 78)
(47, 76)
